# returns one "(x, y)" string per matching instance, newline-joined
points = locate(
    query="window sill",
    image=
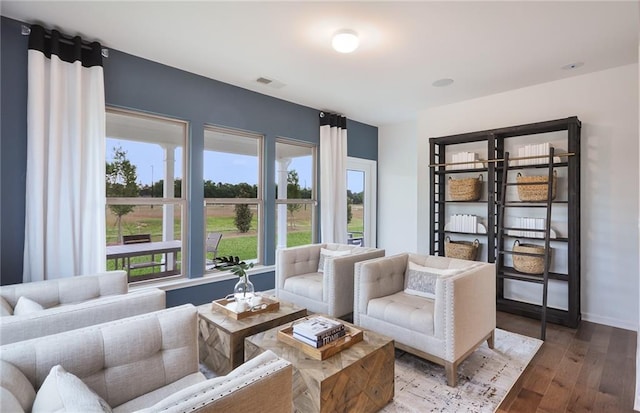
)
(176, 283)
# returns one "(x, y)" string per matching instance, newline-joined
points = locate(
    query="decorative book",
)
(352, 336)
(317, 328)
(320, 341)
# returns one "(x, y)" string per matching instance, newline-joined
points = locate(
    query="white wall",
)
(397, 188)
(607, 104)
(637, 399)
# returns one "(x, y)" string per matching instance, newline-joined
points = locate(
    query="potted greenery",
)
(243, 291)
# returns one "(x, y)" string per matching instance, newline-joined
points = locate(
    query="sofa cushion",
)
(9, 402)
(324, 253)
(404, 310)
(26, 306)
(306, 285)
(160, 394)
(421, 281)
(64, 392)
(18, 385)
(5, 308)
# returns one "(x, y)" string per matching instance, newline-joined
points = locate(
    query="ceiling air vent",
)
(272, 83)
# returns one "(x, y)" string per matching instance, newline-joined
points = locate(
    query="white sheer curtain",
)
(65, 194)
(333, 178)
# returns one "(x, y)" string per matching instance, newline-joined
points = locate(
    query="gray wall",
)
(139, 84)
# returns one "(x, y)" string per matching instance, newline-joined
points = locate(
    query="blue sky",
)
(149, 160)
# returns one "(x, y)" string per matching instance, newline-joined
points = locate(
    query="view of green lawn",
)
(220, 218)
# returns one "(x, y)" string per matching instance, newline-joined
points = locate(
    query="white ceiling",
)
(486, 47)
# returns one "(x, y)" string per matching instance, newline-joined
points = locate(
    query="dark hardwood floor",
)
(588, 369)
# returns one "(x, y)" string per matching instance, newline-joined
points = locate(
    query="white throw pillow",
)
(5, 308)
(26, 306)
(63, 392)
(324, 253)
(421, 281)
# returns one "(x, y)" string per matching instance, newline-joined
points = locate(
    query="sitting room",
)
(319, 206)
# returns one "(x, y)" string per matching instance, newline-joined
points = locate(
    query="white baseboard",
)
(608, 321)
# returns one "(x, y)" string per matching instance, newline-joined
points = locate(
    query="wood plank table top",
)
(249, 324)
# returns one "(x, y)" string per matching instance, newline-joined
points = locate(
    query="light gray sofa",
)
(328, 292)
(147, 363)
(71, 303)
(445, 328)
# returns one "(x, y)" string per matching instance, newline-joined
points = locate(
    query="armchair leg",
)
(491, 339)
(451, 370)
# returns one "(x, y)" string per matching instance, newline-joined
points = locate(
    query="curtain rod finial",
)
(26, 30)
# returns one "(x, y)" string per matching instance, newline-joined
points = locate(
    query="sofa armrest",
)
(70, 317)
(295, 261)
(339, 280)
(377, 278)
(263, 383)
(465, 309)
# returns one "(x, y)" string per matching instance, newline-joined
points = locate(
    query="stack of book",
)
(463, 223)
(463, 157)
(318, 331)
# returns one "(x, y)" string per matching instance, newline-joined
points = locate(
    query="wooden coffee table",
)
(357, 379)
(221, 338)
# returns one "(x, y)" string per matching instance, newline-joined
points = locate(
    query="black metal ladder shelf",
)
(510, 273)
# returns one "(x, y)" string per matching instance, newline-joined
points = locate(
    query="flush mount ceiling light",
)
(345, 41)
(442, 82)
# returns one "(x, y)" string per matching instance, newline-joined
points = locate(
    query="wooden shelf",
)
(461, 171)
(559, 239)
(513, 274)
(466, 233)
(554, 315)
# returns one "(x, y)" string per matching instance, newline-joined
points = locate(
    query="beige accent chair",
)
(444, 330)
(328, 292)
(70, 303)
(147, 363)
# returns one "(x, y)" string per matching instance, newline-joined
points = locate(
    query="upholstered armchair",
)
(41, 308)
(147, 363)
(319, 277)
(437, 308)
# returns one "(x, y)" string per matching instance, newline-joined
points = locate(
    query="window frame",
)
(313, 201)
(159, 201)
(258, 201)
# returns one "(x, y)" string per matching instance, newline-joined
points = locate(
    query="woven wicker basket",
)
(464, 250)
(528, 264)
(536, 192)
(465, 189)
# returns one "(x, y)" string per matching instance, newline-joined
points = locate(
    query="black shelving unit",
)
(495, 141)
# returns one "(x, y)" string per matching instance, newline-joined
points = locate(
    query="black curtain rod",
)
(26, 30)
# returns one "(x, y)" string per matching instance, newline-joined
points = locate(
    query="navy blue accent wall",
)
(13, 149)
(139, 84)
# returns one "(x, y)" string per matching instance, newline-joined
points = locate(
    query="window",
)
(233, 195)
(361, 202)
(145, 164)
(295, 193)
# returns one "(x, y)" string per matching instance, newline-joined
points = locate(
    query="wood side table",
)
(357, 379)
(221, 338)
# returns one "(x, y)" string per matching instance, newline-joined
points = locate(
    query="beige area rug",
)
(484, 378)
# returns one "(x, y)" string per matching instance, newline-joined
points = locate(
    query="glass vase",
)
(243, 292)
